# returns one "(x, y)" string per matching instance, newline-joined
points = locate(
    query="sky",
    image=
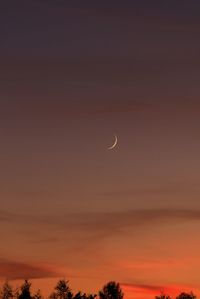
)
(74, 74)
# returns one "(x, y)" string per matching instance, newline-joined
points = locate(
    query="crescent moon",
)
(114, 144)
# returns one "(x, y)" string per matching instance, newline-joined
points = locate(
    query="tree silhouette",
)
(37, 295)
(163, 296)
(25, 290)
(91, 296)
(81, 295)
(111, 290)
(62, 290)
(186, 296)
(53, 296)
(6, 291)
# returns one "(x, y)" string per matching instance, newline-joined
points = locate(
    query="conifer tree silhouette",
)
(81, 295)
(163, 296)
(25, 290)
(62, 290)
(111, 290)
(184, 295)
(37, 295)
(6, 291)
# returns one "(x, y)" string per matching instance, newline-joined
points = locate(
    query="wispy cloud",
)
(105, 224)
(18, 270)
(6, 216)
(124, 218)
(61, 109)
(144, 287)
(118, 220)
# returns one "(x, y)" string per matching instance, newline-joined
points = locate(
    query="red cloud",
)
(144, 290)
(16, 270)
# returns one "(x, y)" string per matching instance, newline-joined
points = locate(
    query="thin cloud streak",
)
(62, 109)
(13, 270)
(104, 224)
(146, 287)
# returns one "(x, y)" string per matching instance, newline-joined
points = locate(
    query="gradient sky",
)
(73, 74)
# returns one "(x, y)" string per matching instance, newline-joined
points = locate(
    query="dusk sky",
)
(72, 75)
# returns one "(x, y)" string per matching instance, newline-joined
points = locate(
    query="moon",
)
(114, 144)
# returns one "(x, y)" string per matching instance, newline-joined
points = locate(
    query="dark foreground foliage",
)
(111, 290)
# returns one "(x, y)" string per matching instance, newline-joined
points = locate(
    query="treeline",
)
(61, 291)
(111, 290)
(182, 295)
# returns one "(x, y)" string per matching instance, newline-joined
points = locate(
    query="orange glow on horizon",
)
(145, 291)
